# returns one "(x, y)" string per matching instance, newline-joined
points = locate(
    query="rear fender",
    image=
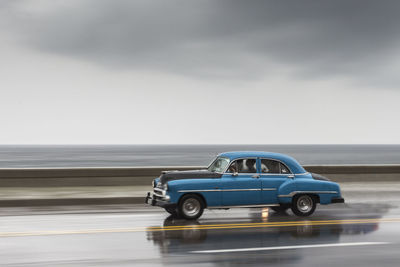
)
(309, 186)
(285, 189)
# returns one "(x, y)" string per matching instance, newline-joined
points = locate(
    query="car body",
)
(244, 179)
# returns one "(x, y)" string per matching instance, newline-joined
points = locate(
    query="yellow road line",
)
(200, 227)
(268, 223)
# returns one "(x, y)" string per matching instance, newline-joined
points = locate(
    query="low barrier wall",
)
(107, 176)
(121, 176)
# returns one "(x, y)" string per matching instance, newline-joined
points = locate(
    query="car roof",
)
(293, 165)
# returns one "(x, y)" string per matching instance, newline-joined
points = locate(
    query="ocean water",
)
(20, 156)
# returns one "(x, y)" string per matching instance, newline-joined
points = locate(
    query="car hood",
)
(194, 174)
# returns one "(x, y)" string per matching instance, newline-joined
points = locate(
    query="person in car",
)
(250, 164)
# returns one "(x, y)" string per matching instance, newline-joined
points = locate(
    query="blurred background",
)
(36, 156)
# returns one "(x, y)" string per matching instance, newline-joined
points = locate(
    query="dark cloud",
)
(235, 39)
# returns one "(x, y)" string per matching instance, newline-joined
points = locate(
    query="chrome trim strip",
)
(250, 189)
(304, 173)
(206, 190)
(219, 190)
(227, 190)
(244, 206)
(275, 174)
(291, 194)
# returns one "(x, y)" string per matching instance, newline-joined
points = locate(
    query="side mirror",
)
(235, 174)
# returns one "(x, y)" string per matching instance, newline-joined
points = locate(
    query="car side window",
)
(284, 169)
(273, 166)
(243, 166)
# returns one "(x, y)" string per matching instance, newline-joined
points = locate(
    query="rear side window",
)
(284, 169)
(273, 166)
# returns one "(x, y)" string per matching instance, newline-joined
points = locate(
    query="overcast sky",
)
(253, 72)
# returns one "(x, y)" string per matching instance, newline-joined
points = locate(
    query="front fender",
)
(206, 188)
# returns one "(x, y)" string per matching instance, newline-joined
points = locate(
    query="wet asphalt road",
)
(355, 234)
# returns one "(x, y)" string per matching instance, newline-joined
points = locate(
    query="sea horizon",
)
(39, 156)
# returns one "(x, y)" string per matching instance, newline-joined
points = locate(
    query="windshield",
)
(218, 165)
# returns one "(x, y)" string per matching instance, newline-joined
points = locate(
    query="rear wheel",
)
(191, 207)
(303, 205)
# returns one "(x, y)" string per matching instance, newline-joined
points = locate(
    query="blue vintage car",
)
(243, 179)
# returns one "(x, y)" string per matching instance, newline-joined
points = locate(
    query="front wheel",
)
(173, 211)
(191, 207)
(303, 205)
(280, 209)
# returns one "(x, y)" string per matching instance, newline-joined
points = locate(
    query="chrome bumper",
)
(337, 200)
(158, 192)
(151, 200)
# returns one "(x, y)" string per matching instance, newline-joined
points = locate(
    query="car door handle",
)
(255, 176)
(291, 176)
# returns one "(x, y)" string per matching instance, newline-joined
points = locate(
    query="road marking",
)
(289, 223)
(289, 247)
(200, 227)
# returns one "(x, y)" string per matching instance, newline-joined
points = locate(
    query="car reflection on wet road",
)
(265, 229)
(351, 235)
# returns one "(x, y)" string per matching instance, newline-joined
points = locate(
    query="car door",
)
(273, 174)
(241, 185)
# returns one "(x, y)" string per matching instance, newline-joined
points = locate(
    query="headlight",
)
(165, 187)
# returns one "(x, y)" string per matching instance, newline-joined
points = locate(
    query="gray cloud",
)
(234, 39)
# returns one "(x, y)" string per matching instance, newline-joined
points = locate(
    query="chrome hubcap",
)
(304, 204)
(191, 207)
